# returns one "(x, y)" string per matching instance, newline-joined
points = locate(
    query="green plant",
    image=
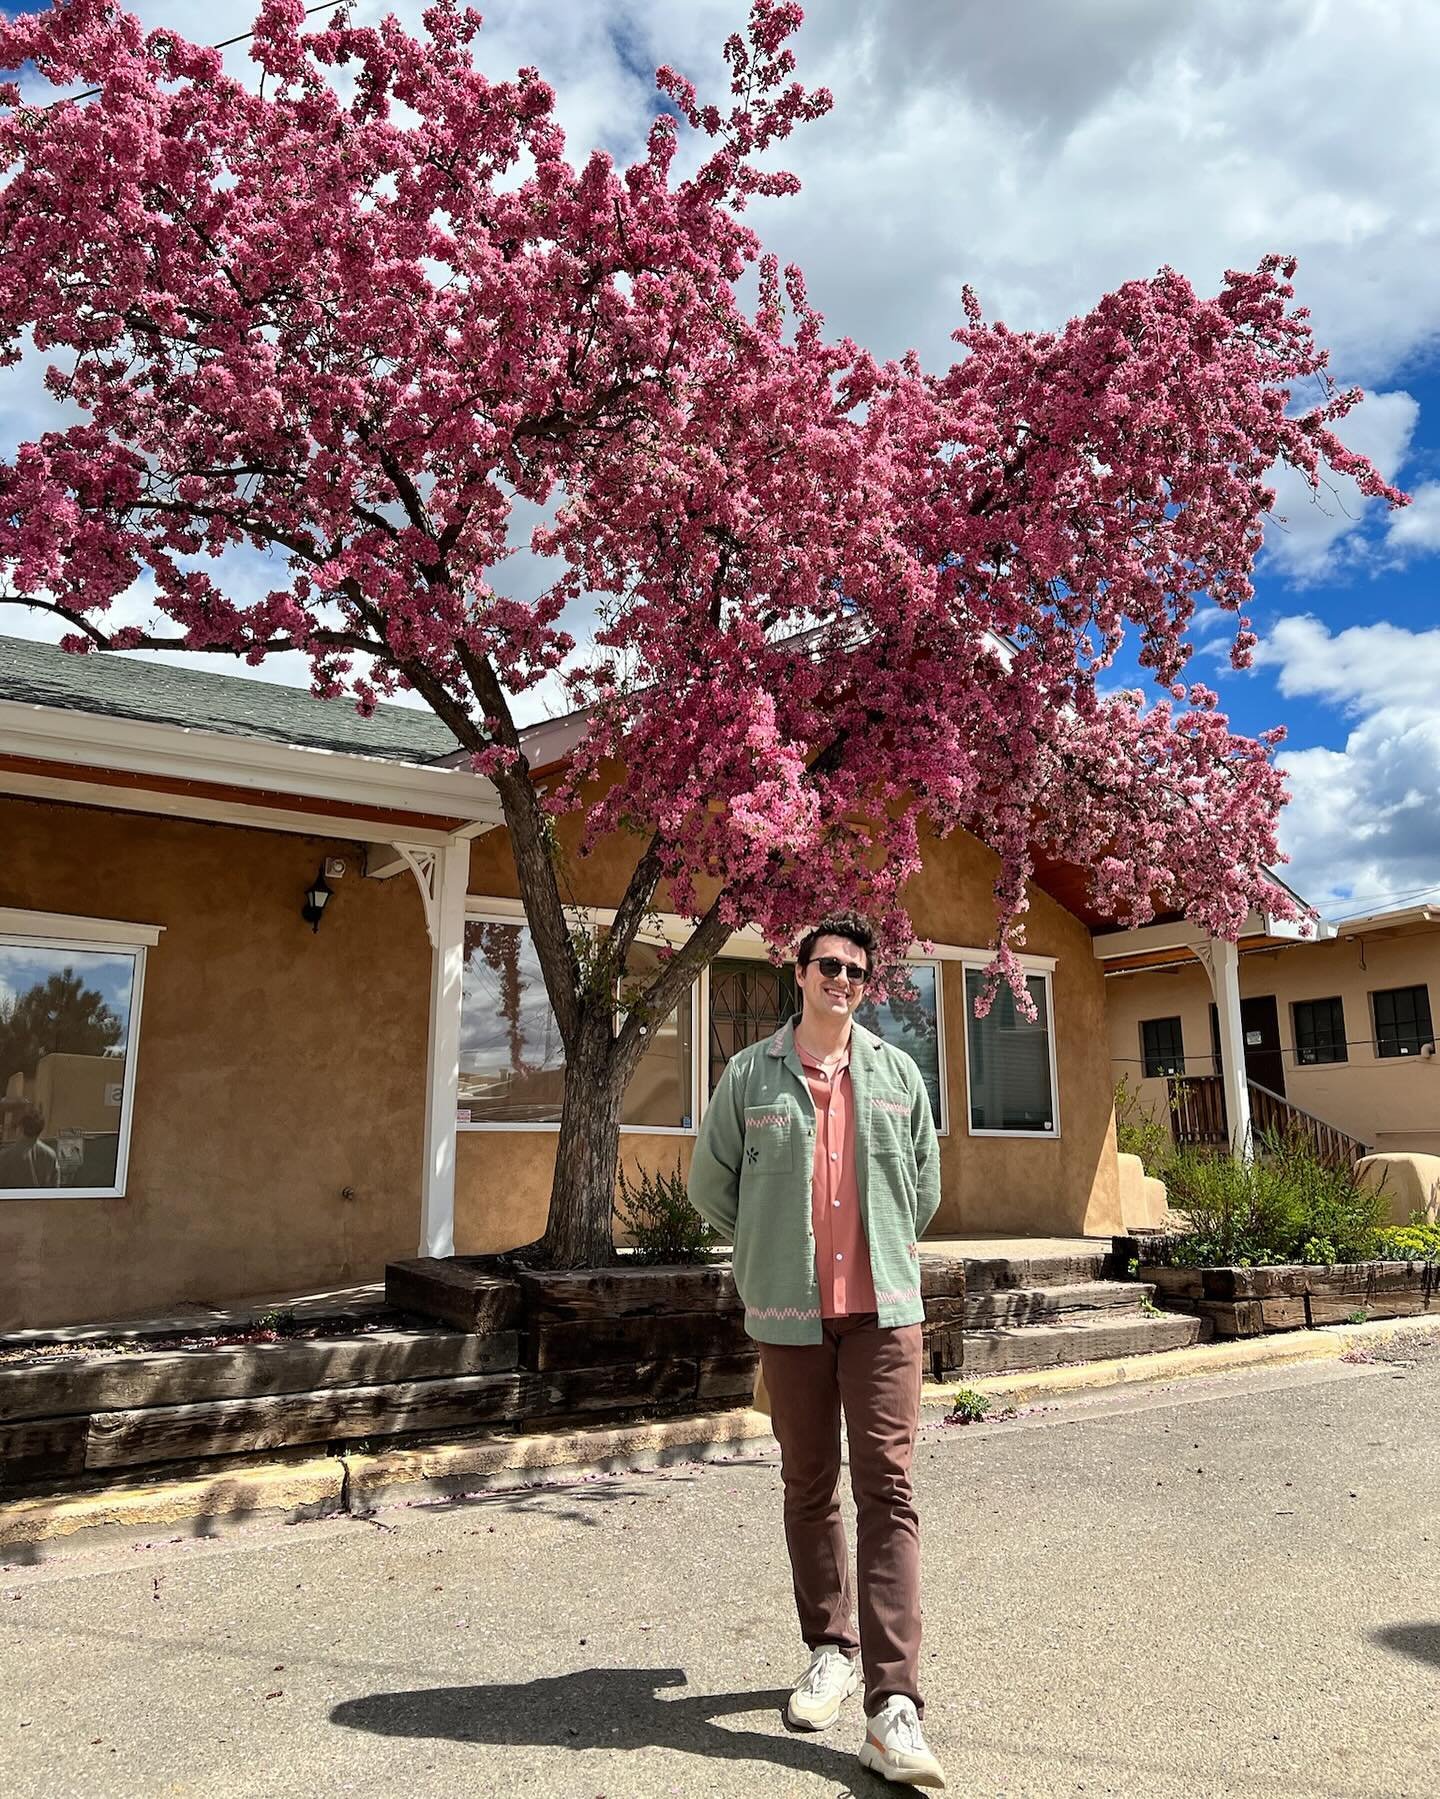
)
(1138, 1132)
(1149, 1307)
(1132, 1268)
(1418, 1241)
(279, 1322)
(969, 1405)
(1361, 1317)
(1287, 1205)
(655, 1212)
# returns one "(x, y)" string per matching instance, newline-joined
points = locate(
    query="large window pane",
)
(64, 1028)
(1009, 1060)
(1402, 1021)
(912, 1022)
(659, 1093)
(512, 1060)
(1163, 1047)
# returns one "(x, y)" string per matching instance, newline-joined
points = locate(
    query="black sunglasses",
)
(830, 967)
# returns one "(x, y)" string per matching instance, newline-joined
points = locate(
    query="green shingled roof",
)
(40, 674)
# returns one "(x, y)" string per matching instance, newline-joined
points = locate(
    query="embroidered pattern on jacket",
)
(782, 1311)
(898, 1297)
(890, 1105)
(766, 1120)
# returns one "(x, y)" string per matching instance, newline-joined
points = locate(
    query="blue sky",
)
(1044, 153)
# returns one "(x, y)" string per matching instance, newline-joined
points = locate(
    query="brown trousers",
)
(875, 1375)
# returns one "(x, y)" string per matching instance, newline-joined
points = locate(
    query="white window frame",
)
(60, 931)
(493, 911)
(1034, 967)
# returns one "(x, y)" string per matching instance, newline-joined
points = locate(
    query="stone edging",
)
(318, 1486)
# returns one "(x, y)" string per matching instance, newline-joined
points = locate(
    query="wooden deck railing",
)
(1197, 1116)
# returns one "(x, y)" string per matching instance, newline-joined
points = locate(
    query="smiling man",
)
(818, 1159)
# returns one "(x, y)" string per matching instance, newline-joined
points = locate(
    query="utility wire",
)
(225, 43)
(1411, 893)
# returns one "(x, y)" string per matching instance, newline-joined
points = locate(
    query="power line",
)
(226, 43)
(1411, 893)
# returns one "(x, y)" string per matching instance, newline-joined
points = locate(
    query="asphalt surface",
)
(1227, 1587)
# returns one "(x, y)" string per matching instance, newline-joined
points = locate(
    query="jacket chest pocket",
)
(771, 1140)
(890, 1139)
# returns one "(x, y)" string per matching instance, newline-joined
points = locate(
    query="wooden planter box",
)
(509, 1349)
(1248, 1302)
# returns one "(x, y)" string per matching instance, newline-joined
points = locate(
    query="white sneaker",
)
(822, 1689)
(895, 1748)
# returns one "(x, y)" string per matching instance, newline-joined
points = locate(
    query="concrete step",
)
(1052, 1305)
(1019, 1349)
(987, 1274)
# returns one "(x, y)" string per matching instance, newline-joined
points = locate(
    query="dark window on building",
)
(1402, 1021)
(1163, 1046)
(1319, 1031)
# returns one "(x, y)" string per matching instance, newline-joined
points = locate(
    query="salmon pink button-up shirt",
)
(842, 1256)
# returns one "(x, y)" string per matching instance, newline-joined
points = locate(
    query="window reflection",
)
(911, 1021)
(64, 1027)
(512, 1059)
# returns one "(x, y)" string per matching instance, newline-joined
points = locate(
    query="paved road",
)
(1229, 1587)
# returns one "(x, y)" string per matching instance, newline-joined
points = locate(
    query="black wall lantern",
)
(316, 896)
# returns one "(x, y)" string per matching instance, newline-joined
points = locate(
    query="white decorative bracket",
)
(387, 860)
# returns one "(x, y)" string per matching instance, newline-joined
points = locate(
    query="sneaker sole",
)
(823, 1723)
(911, 1777)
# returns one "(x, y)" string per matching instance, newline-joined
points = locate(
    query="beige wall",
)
(991, 1185)
(1389, 1103)
(278, 1067)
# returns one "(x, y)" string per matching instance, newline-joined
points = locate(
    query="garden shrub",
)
(1138, 1132)
(1418, 1241)
(655, 1211)
(1286, 1206)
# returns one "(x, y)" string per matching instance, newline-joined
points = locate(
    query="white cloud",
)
(1364, 668)
(1363, 826)
(1310, 529)
(1418, 526)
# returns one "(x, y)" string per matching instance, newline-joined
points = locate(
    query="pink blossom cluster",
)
(846, 604)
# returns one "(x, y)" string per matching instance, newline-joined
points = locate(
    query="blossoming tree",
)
(354, 313)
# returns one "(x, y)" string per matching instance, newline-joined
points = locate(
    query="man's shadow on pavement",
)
(604, 1708)
(1422, 1641)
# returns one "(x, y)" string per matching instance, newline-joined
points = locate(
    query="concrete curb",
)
(308, 1487)
(441, 1470)
(202, 1505)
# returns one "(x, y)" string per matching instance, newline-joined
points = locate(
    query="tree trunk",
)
(581, 1230)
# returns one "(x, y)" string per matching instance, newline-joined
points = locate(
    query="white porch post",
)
(1222, 964)
(446, 920)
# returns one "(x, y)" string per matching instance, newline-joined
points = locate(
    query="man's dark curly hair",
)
(843, 924)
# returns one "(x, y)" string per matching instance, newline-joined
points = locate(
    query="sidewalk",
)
(1221, 1587)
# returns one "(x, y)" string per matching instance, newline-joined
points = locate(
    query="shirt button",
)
(836, 1204)
(839, 1257)
(834, 1155)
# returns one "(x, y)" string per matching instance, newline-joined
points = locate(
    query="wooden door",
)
(1260, 1027)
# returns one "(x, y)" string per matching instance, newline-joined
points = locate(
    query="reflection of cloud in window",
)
(506, 1020)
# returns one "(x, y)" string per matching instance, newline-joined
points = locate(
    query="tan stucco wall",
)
(1389, 1103)
(991, 1185)
(276, 1067)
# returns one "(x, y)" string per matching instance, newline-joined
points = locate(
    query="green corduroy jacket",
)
(751, 1177)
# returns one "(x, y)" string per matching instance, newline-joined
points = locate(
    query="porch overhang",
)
(56, 753)
(1178, 943)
